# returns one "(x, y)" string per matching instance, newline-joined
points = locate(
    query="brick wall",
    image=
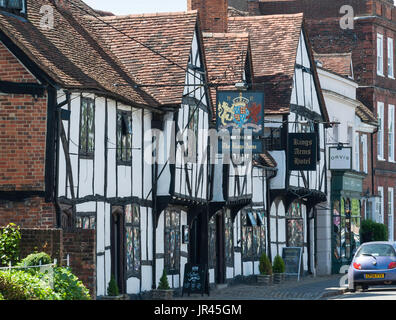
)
(81, 246)
(213, 14)
(30, 213)
(41, 240)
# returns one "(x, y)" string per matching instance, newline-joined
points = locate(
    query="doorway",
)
(118, 248)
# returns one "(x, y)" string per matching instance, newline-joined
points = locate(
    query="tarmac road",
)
(374, 293)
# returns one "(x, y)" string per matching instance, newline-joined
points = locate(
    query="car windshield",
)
(377, 250)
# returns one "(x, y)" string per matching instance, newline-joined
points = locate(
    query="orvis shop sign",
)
(302, 151)
(340, 159)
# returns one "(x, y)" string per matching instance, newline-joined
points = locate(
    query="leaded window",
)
(172, 241)
(86, 221)
(228, 239)
(133, 245)
(14, 6)
(253, 235)
(295, 225)
(87, 127)
(212, 242)
(124, 137)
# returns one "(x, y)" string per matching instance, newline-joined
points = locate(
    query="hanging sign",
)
(241, 113)
(340, 158)
(302, 151)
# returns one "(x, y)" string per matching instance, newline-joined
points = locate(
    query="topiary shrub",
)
(278, 265)
(35, 259)
(164, 284)
(20, 285)
(112, 289)
(265, 266)
(10, 238)
(373, 231)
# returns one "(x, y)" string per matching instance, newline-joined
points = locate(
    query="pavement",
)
(308, 288)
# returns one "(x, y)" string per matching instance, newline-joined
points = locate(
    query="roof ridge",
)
(148, 15)
(263, 17)
(226, 35)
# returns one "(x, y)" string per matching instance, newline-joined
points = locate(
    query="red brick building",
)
(367, 29)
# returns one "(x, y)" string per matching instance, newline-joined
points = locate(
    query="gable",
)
(306, 86)
(12, 70)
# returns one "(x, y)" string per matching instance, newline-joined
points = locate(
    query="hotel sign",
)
(241, 113)
(340, 159)
(302, 151)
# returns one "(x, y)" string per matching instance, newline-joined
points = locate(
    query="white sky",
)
(121, 7)
(139, 6)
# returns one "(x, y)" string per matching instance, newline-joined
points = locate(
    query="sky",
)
(121, 7)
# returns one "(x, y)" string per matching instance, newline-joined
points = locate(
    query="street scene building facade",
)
(110, 134)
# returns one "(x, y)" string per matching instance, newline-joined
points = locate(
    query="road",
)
(375, 293)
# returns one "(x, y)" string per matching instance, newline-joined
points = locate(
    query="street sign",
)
(340, 158)
(302, 151)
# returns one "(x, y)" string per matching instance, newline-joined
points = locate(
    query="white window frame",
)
(391, 213)
(391, 67)
(380, 54)
(379, 208)
(357, 151)
(391, 133)
(364, 152)
(380, 133)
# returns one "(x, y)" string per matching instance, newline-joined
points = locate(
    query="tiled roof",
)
(170, 34)
(274, 41)
(226, 55)
(69, 54)
(339, 63)
(366, 115)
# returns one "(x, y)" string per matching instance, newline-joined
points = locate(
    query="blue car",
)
(373, 264)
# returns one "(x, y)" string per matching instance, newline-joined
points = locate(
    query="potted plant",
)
(265, 267)
(113, 293)
(163, 291)
(278, 269)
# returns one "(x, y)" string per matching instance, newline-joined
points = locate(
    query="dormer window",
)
(13, 6)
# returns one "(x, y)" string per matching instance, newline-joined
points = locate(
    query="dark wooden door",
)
(118, 248)
(220, 265)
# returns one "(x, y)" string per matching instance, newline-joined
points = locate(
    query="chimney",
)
(254, 7)
(213, 14)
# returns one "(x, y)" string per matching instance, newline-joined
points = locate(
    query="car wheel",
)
(365, 288)
(352, 288)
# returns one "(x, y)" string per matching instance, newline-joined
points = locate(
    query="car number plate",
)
(374, 276)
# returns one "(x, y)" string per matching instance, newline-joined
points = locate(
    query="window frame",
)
(391, 59)
(133, 225)
(21, 12)
(81, 216)
(391, 213)
(380, 133)
(380, 206)
(391, 133)
(128, 160)
(380, 54)
(177, 248)
(86, 153)
(357, 151)
(364, 142)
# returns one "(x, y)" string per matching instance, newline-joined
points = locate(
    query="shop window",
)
(86, 221)
(172, 241)
(295, 225)
(212, 242)
(228, 239)
(253, 235)
(87, 127)
(133, 245)
(124, 137)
